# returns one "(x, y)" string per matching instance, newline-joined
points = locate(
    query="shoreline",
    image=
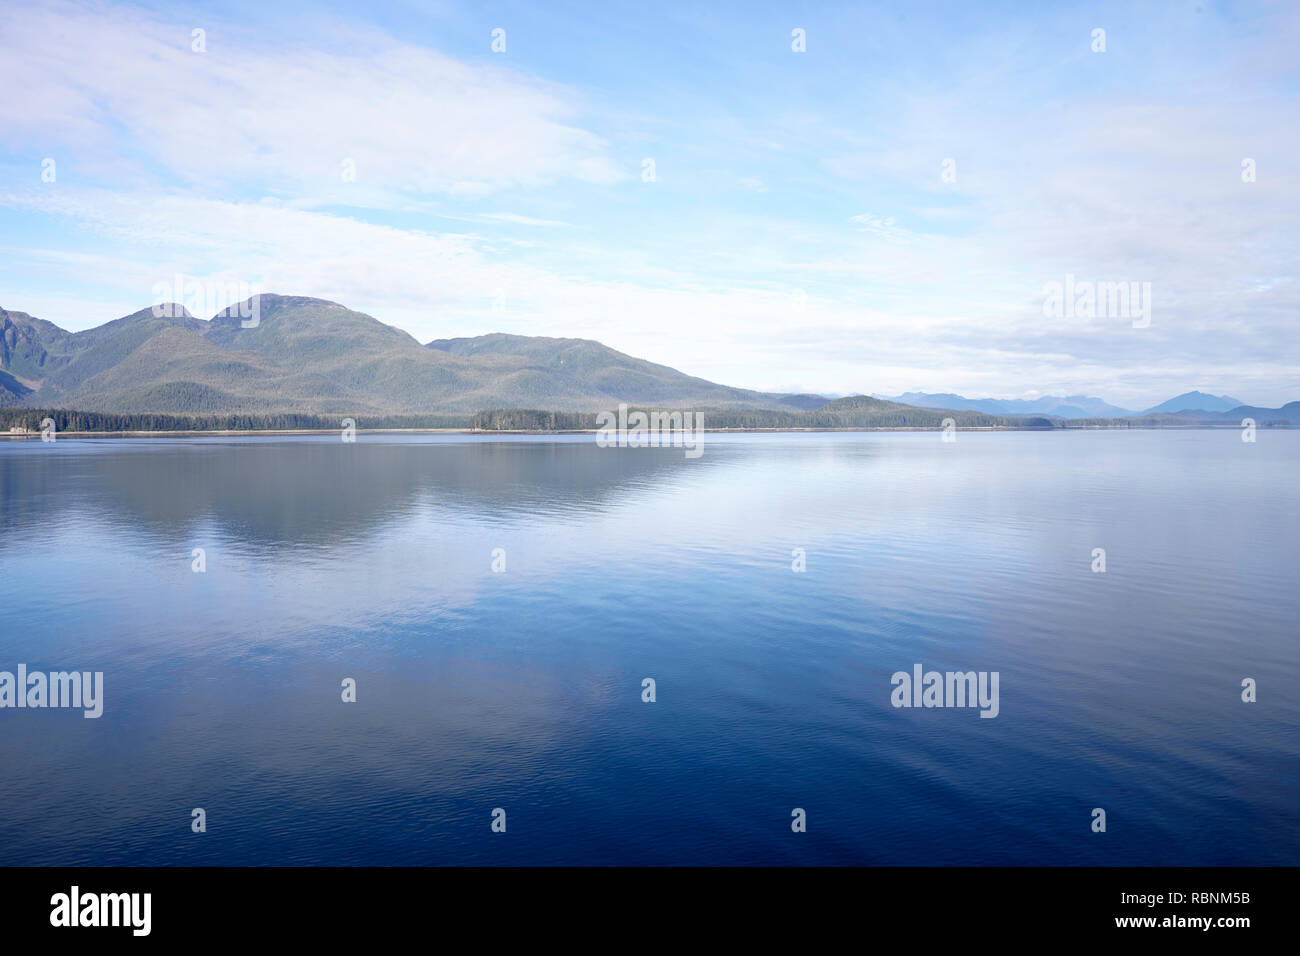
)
(240, 433)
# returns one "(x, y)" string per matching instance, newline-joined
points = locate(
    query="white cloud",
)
(880, 225)
(281, 115)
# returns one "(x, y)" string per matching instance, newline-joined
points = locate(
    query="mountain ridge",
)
(307, 355)
(1195, 401)
(1070, 406)
(313, 356)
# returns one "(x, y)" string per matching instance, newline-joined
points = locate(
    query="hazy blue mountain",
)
(311, 356)
(1195, 401)
(1071, 406)
(1289, 412)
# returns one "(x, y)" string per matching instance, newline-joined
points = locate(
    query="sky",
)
(883, 210)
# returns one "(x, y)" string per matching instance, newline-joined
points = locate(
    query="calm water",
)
(522, 689)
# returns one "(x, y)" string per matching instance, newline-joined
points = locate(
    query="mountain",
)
(856, 410)
(1289, 412)
(317, 357)
(1071, 406)
(29, 348)
(11, 389)
(1195, 401)
(583, 363)
(309, 356)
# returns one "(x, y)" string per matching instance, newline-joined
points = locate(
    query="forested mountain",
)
(308, 359)
(310, 356)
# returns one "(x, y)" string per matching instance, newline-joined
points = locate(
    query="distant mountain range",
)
(314, 357)
(1069, 406)
(1289, 412)
(1072, 406)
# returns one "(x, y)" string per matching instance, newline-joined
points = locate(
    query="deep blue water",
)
(522, 689)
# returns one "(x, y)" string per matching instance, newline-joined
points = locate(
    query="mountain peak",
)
(1197, 402)
(269, 303)
(159, 310)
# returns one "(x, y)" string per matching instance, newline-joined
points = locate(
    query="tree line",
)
(67, 420)
(509, 419)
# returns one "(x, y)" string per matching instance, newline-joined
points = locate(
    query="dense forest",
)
(74, 421)
(845, 413)
(504, 419)
(528, 419)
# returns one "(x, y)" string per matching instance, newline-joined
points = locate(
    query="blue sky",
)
(798, 233)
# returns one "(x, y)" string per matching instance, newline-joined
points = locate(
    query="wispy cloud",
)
(281, 116)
